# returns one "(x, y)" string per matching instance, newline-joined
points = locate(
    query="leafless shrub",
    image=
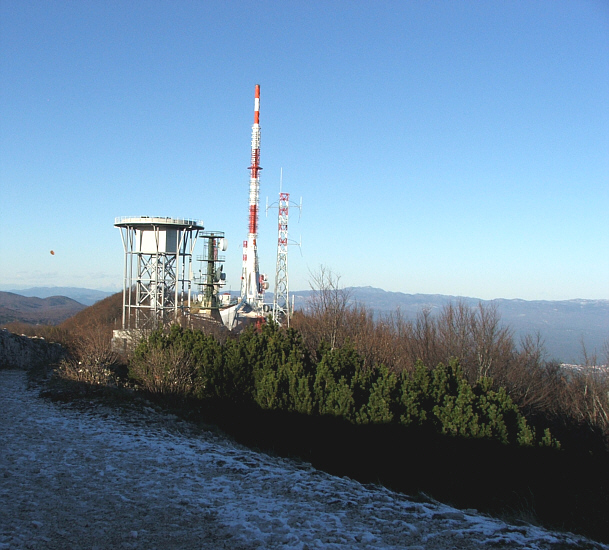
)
(474, 335)
(94, 346)
(494, 343)
(401, 348)
(456, 328)
(532, 382)
(166, 371)
(584, 391)
(89, 373)
(590, 359)
(424, 340)
(584, 397)
(374, 339)
(92, 358)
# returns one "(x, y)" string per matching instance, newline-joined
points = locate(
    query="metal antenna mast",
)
(281, 298)
(253, 284)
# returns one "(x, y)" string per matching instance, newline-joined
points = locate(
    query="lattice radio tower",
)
(281, 298)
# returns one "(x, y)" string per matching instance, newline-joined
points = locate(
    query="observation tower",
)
(157, 269)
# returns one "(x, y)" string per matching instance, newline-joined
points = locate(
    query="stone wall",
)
(22, 352)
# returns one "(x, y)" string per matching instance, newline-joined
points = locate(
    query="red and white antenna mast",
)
(253, 284)
(282, 311)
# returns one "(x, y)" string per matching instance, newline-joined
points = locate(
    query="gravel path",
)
(106, 478)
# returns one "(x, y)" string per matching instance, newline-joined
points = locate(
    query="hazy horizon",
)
(9, 287)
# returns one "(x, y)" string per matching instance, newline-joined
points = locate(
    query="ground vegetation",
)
(450, 404)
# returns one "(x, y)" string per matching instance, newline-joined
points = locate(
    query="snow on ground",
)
(106, 478)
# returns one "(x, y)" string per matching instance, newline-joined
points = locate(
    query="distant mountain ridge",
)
(46, 311)
(85, 296)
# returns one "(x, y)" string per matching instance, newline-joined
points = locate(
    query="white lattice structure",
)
(157, 269)
(281, 298)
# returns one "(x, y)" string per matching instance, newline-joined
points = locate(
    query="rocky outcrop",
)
(21, 352)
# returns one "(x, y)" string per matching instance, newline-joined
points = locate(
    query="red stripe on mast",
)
(257, 105)
(253, 227)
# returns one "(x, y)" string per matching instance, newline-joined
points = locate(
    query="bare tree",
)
(328, 306)
(424, 339)
(473, 335)
(590, 359)
(493, 342)
(398, 337)
(532, 382)
(455, 325)
(585, 398)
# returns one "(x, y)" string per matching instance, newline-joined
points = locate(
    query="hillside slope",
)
(107, 312)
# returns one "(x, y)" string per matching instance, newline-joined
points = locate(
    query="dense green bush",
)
(272, 369)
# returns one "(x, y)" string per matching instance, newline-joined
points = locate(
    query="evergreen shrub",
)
(271, 368)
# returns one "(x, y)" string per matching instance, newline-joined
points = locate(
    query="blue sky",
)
(439, 147)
